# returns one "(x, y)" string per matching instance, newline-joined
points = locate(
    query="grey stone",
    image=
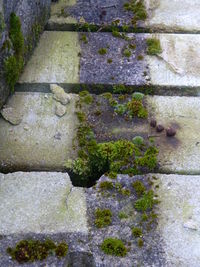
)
(59, 94)
(41, 203)
(11, 115)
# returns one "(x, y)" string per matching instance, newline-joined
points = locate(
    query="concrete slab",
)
(179, 63)
(179, 154)
(42, 141)
(41, 203)
(55, 59)
(163, 16)
(173, 15)
(178, 221)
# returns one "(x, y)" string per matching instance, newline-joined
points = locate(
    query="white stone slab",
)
(42, 141)
(41, 202)
(180, 153)
(55, 60)
(173, 15)
(179, 63)
(179, 219)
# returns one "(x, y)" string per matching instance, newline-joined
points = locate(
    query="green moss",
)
(140, 57)
(136, 232)
(122, 215)
(83, 93)
(114, 246)
(103, 218)
(132, 46)
(146, 202)
(125, 192)
(149, 159)
(84, 39)
(34, 250)
(126, 52)
(106, 185)
(138, 140)
(112, 175)
(109, 60)
(81, 116)
(144, 217)
(139, 188)
(61, 250)
(153, 46)
(138, 9)
(138, 96)
(119, 89)
(120, 109)
(107, 95)
(102, 51)
(14, 64)
(86, 97)
(140, 242)
(136, 109)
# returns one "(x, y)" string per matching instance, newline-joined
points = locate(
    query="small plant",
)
(109, 60)
(84, 39)
(106, 185)
(126, 53)
(138, 96)
(120, 109)
(103, 218)
(102, 51)
(138, 9)
(118, 89)
(153, 46)
(122, 215)
(126, 192)
(114, 246)
(140, 242)
(112, 175)
(136, 109)
(86, 97)
(138, 140)
(34, 250)
(146, 202)
(81, 116)
(132, 46)
(139, 188)
(140, 57)
(137, 232)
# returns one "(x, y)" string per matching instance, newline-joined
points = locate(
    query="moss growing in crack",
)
(14, 64)
(153, 46)
(84, 39)
(119, 89)
(81, 116)
(139, 188)
(103, 218)
(86, 97)
(34, 250)
(136, 232)
(102, 51)
(114, 246)
(146, 202)
(138, 9)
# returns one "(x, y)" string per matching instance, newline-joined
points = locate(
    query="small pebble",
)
(159, 128)
(153, 123)
(170, 132)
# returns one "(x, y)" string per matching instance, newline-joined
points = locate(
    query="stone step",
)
(61, 57)
(45, 205)
(164, 16)
(44, 141)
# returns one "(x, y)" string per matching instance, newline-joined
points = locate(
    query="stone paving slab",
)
(40, 202)
(179, 221)
(163, 15)
(179, 154)
(64, 58)
(42, 140)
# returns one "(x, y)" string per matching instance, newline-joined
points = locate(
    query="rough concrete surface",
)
(40, 202)
(180, 153)
(42, 140)
(55, 60)
(179, 221)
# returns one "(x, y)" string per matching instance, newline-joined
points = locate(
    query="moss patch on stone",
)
(153, 46)
(114, 246)
(103, 218)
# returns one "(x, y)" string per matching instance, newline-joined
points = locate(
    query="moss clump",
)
(103, 218)
(114, 246)
(106, 185)
(102, 51)
(14, 64)
(125, 192)
(119, 89)
(122, 215)
(33, 250)
(138, 140)
(146, 202)
(138, 9)
(140, 57)
(109, 60)
(136, 109)
(84, 39)
(138, 96)
(61, 250)
(140, 242)
(136, 232)
(86, 97)
(126, 52)
(81, 116)
(139, 188)
(120, 109)
(132, 46)
(153, 46)
(112, 175)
